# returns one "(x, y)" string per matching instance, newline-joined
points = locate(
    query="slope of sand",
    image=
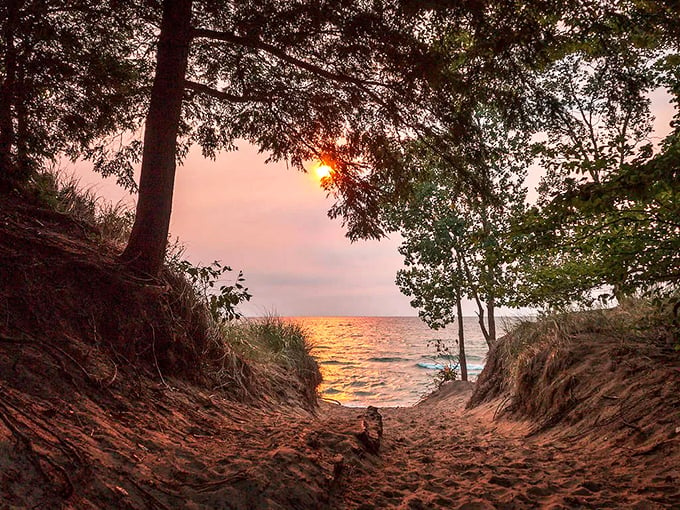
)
(92, 416)
(438, 455)
(155, 446)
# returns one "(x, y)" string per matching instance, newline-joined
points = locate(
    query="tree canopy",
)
(387, 92)
(456, 245)
(345, 82)
(605, 224)
(606, 218)
(66, 80)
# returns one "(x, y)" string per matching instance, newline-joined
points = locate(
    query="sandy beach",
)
(177, 447)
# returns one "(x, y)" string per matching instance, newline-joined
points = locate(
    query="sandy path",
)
(437, 455)
(181, 448)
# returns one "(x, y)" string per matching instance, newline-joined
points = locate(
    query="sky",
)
(270, 221)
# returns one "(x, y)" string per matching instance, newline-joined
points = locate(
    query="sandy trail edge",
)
(64, 444)
(438, 455)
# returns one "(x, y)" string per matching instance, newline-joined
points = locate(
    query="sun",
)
(323, 171)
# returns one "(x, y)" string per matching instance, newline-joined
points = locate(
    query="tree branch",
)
(282, 55)
(225, 96)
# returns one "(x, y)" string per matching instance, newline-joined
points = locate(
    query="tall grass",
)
(249, 359)
(271, 340)
(64, 193)
(537, 355)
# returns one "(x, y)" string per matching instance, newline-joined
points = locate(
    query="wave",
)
(388, 359)
(439, 366)
(335, 362)
(359, 384)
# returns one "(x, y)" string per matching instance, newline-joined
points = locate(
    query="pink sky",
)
(270, 221)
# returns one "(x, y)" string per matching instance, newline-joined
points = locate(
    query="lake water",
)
(385, 361)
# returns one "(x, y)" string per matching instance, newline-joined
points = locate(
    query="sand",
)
(156, 446)
(438, 455)
(83, 427)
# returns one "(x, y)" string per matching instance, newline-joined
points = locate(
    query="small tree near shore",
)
(455, 245)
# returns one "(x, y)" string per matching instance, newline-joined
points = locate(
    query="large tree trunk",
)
(7, 94)
(146, 248)
(24, 166)
(462, 360)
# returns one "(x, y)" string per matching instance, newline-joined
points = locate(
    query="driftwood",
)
(371, 430)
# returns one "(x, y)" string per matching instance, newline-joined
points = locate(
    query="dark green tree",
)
(70, 73)
(602, 223)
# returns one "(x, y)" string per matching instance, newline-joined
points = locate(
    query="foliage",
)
(449, 370)
(350, 82)
(72, 72)
(271, 336)
(273, 340)
(222, 301)
(606, 218)
(603, 221)
(346, 82)
(596, 117)
(454, 244)
(392, 94)
(63, 193)
(448, 373)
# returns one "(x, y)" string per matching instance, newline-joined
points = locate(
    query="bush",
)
(222, 301)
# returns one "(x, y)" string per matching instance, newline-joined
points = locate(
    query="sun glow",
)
(322, 171)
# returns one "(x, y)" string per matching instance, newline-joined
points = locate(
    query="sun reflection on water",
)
(383, 361)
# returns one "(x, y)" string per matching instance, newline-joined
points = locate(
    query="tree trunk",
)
(462, 360)
(7, 95)
(491, 320)
(24, 165)
(146, 248)
(480, 308)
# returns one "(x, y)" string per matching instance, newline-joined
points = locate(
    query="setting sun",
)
(323, 171)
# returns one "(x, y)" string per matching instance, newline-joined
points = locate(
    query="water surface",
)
(385, 361)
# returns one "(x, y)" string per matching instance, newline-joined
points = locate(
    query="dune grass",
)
(247, 359)
(635, 323)
(274, 342)
(544, 368)
(64, 193)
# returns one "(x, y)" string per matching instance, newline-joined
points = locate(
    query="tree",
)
(454, 244)
(295, 79)
(608, 209)
(145, 250)
(600, 223)
(346, 82)
(70, 72)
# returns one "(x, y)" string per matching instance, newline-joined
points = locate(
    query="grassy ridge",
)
(165, 326)
(616, 368)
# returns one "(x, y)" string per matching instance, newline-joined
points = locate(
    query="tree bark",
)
(7, 95)
(475, 295)
(145, 251)
(491, 320)
(462, 360)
